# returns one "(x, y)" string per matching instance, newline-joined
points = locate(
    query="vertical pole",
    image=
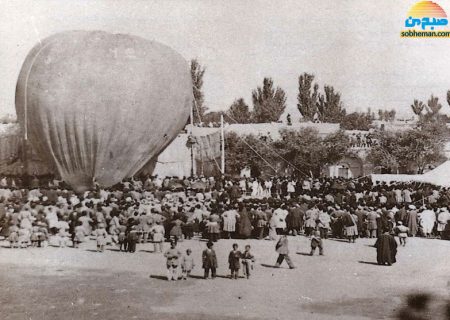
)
(192, 116)
(192, 161)
(191, 142)
(25, 178)
(222, 140)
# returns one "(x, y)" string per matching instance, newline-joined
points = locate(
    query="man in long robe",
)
(245, 225)
(411, 221)
(295, 219)
(386, 249)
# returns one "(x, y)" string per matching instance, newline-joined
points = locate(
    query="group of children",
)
(236, 257)
(37, 236)
(209, 262)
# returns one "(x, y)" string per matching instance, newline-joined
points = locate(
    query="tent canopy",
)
(440, 176)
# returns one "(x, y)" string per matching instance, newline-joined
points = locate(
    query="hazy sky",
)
(354, 45)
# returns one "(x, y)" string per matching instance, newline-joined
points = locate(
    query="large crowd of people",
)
(157, 209)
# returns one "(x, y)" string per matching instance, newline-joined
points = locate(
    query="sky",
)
(353, 45)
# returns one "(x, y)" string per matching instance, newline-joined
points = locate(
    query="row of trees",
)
(269, 103)
(305, 153)
(430, 110)
(314, 105)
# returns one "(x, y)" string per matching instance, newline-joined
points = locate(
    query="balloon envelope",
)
(99, 105)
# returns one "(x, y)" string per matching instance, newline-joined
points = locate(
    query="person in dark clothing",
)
(294, 220)
(132, 239)
(209, 260)
(245, 225)
(234, 261)
(386, 249)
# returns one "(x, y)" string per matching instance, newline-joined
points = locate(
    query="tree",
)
(198, 107)
(304, 151)
(421, 148)
(416, 148)
(357, 121)
(386, 115)
(239, 112)
(268, 102)
(329, 106)
(308, 95)
(211, 117)
(434, 105)
(380, 114)
(448, 97)
(336, 145)
(370, 114)
(417, 107)
(236, 153)
(246, 152)
(433, 114)
(308, 152)
(391, 115)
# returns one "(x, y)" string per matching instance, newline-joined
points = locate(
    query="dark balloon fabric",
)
(99, 105)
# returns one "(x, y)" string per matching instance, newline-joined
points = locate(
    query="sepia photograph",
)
(224, 160)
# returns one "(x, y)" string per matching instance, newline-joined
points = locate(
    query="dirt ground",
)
(345, 283)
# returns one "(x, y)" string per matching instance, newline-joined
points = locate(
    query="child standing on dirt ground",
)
(234, 259)
(101, 237)
(402, 232)
(14, 236)
(63, 237)
(316, 242)
(187, 264)
(209, 260)
(247, 261)
(79, 235)
(122, 238)
(172, 257)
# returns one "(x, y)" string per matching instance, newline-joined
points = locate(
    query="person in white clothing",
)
(279, 216)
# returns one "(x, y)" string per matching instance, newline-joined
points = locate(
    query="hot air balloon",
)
(99, 106)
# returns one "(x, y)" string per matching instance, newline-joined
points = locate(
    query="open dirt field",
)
(346, 283)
